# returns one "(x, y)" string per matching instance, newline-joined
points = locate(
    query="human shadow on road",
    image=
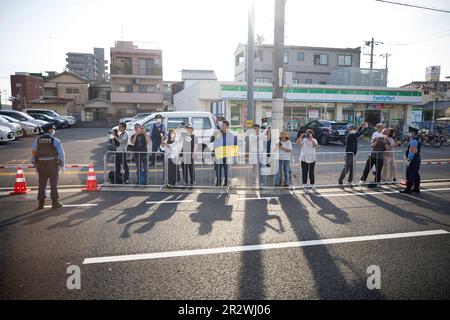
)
(162, 213)
(414, 217)
(427, 200)
(210, 210)
(329, 280)
(251, 282)
(329, 210)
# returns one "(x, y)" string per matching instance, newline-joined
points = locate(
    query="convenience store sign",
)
(331, 95)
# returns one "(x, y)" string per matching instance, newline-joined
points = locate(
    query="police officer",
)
(412, 156)
(158, 133)
(48, 157)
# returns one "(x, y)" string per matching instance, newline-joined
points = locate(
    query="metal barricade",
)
(132, 167)
(382, 167)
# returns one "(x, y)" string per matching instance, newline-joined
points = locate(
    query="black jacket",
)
(351, 142)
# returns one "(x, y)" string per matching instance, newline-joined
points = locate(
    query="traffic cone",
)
(20, 186)
(91, 182)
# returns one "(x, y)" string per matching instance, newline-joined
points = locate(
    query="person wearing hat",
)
(158, 133)
(284, 148)
(140, 140)
(189, 147)
(412, 156)
(351, 148)
(217, 134)
(48, 157)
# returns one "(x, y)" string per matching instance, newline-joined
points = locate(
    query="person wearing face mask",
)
(351, 148)
(158, 133)
(172, 148)
(48, 156)
(308, 157)
(265, 126)
(412, 156)
(217, 134)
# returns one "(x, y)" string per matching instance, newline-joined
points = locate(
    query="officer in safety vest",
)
(48, 158)
(412, 157)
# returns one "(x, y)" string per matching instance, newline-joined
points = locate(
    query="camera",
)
(280, 143)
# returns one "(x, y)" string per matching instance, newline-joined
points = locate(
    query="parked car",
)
(203, 122)
(22, 116)
(136, 117)
(58, 123)
(70, 120)
(6, 134)
(28, 128)
(326, 131)
(17, 128)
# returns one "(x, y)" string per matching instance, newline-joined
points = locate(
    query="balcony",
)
(136, 97)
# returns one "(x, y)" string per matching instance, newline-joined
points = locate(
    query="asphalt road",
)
(84, 146)
(37, 247)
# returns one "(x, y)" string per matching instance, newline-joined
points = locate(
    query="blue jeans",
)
(283, 165)
(141, 160)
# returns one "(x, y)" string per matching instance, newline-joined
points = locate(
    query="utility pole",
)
(372, 43)
(386, 55)
(250, 64)
(277, 92)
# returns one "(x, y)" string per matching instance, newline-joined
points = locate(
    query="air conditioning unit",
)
(136, 81)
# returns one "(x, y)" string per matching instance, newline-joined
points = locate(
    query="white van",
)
(203, 122)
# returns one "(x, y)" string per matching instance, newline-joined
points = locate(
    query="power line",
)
(421, 38)
(414, 6)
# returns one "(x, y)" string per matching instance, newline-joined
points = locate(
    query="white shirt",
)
(283, 155)
(376, 134)
(258, 148)
(172, 150)
(308, 153)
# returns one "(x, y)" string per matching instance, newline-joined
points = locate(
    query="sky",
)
(204, 34)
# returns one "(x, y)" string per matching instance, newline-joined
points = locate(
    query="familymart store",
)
(303, 104)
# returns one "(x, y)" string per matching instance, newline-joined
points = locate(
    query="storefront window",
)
(235, 117)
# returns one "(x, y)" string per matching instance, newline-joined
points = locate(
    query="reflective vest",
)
(45, 148)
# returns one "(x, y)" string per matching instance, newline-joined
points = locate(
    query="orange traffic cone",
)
(20, 186)
(91, 182)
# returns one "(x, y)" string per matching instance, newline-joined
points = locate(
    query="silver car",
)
(22, 116)
(28, 128)
(17, 128)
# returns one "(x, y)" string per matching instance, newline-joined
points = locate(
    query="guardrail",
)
(250, 170)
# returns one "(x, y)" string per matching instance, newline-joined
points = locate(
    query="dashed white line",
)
(187, 253)
(168, 201)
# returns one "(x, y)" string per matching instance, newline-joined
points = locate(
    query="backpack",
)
(113, 179)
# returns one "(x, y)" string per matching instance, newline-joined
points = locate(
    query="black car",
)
(58, 123)
(326, 131)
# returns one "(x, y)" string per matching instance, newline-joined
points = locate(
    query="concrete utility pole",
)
(372, 43)
(250, 64)
(277, 92)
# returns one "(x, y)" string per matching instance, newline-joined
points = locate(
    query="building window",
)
(286, 57)
(50, 92)
(259, 55)
(322, 82)
(72, 91)
(122, 65)
(263, 80)
(344, 60)
(295, 81)
(426, 92)
(148, 89)
(300, 56)
(321, 59)
(149, 67)
(308, 81)
(202, 123)
(125, 88)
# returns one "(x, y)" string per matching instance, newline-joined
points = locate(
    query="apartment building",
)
(136, 79)
(304, 65)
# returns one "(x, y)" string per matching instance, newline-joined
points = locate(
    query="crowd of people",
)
(180, 146)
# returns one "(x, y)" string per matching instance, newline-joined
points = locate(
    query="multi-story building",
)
(83, 64)
(305, 65)
(102, 65)
(136, 79)
(24, 89)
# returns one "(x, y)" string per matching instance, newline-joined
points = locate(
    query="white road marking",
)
(259, 198)
(168, 201)
(75, 205)
(372, 193)
(186, 253)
